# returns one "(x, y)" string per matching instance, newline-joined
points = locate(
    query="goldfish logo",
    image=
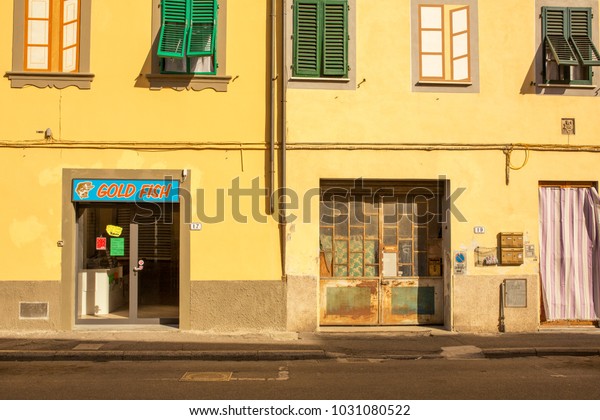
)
(83, 189)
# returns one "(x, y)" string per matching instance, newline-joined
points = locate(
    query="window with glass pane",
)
(354, 231)
(43, 18)
(444, 43)
(187, 37)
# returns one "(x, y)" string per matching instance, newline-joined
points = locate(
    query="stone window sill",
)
(320, 79)
(50, 79)
(442, 83)
(188, 82)
(565, 86)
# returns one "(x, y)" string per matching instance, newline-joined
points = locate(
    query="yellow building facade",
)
(420, 151)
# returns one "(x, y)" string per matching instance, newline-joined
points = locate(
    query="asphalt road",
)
(532, 378)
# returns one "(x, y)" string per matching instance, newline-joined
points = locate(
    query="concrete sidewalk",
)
(164, 343)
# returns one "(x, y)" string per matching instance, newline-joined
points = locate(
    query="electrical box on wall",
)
(510, 248)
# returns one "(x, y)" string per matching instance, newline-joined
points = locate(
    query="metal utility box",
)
(510, 248)
(515, 293)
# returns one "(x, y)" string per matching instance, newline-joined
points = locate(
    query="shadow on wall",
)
(141, 81)
(532, 80)
(151, 67)
(529, 83)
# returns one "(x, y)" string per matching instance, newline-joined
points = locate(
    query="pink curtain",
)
(570, 252)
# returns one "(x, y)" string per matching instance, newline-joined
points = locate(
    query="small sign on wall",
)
(529, 251)
(460, 262)
(114, 230)
(101, 243)
(390, 264)
(117, 247)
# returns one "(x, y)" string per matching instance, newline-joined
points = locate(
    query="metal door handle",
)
(140, 266)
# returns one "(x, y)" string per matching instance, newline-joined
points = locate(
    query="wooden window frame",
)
(321, 83)
(441, 30)
(77, 45)
(321, 70)
(419, 258)
(447, 85)
(452, 35)
(187, 54)
(50, 22)
(576, 63)
(20, 76)
(447, 51)
(218, 81)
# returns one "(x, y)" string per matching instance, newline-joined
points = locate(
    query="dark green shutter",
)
(335, 37)
(581, 36)
(307, 39)
(174, 29)
(203, 26)
(555, 23)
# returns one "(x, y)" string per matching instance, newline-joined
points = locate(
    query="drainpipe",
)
(283, 146)
(501, 326)
(272, 121)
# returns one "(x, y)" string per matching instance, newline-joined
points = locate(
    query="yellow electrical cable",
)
(516, 168)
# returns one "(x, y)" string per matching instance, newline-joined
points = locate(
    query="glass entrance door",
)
(128, 263)
(156, 257)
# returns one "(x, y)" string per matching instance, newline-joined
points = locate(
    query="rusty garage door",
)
(381, 253)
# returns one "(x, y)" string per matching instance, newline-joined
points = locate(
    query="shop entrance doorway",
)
(381, 252)
(127, 263)
(569, 253)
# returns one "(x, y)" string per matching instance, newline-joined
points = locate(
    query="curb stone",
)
(508, 353)
(539, 351)
(567, 351)
(145, 355)
(269, 355)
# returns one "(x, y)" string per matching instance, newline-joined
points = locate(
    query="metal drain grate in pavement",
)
(206, 377)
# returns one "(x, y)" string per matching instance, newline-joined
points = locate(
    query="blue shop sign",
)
(126, 190)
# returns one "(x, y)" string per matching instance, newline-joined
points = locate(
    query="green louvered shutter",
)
(335, 37)
(203, 28)
(555, 22)
(581, 36)
(174, 29)
(307, 40)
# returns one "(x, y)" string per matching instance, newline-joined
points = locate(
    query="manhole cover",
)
(85, 346)
(206, 376)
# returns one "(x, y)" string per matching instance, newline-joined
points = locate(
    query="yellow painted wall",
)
(115, 110)
(486, 201)
(384, 109)
(221, 251)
